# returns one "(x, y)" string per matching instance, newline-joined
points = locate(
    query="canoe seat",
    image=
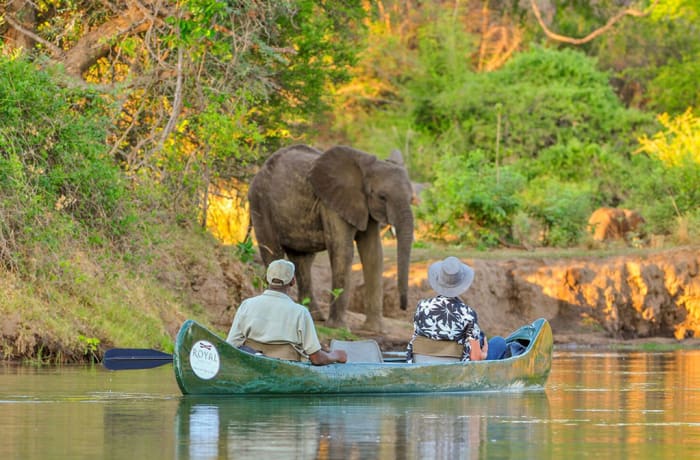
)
(275, 350)
(359, 351)
(427, 350)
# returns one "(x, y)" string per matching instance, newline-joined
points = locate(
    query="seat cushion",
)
(439, 348)
(275, 350)
(359, 351)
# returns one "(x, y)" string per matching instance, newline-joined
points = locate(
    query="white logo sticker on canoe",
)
(204, 360)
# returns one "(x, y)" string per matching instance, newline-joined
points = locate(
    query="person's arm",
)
(235, 334)
(321, 358)
(476, 353)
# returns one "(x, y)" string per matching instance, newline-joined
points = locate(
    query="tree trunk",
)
(20, 14)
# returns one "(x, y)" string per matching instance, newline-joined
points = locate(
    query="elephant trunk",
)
(404, 242)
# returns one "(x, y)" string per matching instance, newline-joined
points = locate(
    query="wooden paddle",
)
(118, 359)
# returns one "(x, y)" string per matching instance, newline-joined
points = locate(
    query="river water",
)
(616, 405)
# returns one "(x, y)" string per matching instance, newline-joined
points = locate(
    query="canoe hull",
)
(206, 364)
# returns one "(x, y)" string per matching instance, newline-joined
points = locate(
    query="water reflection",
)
(595, 405)
(366, 427)
(627, 405)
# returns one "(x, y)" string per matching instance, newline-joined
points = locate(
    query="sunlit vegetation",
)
(678, 144)
(227, 213)
(674, 195)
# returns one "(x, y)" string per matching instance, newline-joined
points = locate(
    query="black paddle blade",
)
(119, 359)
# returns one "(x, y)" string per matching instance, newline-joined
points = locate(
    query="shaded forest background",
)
(130, 129)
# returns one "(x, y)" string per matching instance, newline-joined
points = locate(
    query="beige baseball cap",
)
(280, 272)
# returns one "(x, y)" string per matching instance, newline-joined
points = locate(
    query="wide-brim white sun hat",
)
(450, 277)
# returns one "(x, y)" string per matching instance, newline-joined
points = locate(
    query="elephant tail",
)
(249, 230)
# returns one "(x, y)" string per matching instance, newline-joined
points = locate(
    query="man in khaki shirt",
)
(274, 318)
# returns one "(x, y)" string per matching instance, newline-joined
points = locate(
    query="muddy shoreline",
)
(620, 300)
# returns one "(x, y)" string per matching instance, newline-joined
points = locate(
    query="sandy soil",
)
(504, 304)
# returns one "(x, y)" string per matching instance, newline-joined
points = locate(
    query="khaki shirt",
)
(273, 317)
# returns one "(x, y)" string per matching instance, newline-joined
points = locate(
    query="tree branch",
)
(55, 51)
(177, 99)
(595, 33)
(97, 42)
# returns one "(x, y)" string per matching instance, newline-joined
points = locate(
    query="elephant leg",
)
(340, 253)
(303, 263)
(369, 247)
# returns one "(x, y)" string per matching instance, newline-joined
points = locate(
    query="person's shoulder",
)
(429, 299)
(300, 308)
(252, 299)
(302, 311)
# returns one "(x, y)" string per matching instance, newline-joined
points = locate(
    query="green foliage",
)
(675, 87)
(606, 173)
(279, 62)
(563, 139)
(547, 97)
(335, 293)
(90, 347)
(441, 63)
(471, 199)
(653, 59)
(326, 334)
(55, 175)
(664, 194)
(325, 37)
(251, 75)
(550, 117)
(562, 207)
(245, 250)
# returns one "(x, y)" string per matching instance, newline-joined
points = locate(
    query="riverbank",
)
(616, 298)
(636, 298)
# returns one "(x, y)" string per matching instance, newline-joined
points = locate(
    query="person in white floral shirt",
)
(446, 317)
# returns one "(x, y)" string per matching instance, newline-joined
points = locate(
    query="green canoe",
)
(204, 363)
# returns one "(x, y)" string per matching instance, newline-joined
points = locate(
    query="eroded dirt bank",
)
(588, 300)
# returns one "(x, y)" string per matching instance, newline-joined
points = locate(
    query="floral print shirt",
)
(445, 318)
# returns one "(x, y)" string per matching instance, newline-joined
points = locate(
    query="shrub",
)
(54, 168)
(471, 200)
(561, 207)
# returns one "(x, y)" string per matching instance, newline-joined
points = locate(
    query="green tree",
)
(204, 88)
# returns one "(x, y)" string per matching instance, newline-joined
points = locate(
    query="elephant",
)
(304, 201)
(608, 224)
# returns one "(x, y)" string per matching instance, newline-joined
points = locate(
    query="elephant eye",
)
(382, 196)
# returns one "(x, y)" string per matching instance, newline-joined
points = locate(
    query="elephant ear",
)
(396, 157)
(337, 178)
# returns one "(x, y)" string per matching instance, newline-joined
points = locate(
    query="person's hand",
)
(475, 351)
(485, 349)
(321, 357)
(340, 356)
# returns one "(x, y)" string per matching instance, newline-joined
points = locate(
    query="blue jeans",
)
(497, 348)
